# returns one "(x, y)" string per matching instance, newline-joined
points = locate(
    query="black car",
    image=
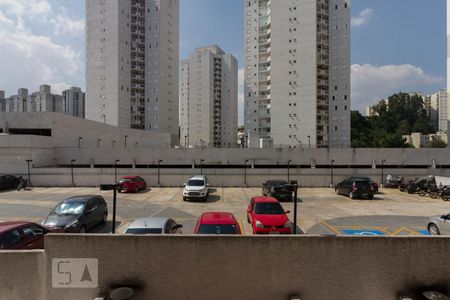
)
(355, 188)
(78, 214)
(278, 189)
(8, 182)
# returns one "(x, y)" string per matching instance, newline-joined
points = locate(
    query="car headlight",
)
(259, 224)
(73, 224)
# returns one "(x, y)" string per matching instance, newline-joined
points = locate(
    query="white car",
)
(196, 187)
(438, 225)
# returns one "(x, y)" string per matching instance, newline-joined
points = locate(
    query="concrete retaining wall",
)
(22, 275)
(218, 177)
(260, 268)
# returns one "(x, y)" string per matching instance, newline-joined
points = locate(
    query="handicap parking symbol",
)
(363, 232)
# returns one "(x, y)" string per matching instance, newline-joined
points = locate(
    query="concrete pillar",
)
(374, 164)
(134, 164)
(92, 164)
(5, 127)
(433, 164)
(313, 163)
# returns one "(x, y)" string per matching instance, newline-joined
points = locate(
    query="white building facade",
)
(448, 70)
(44, 101)
(132, 63)
(208, 99)
(297, 73)
(73, 102)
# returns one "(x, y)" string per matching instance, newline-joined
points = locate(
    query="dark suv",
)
(278, 189)
(355, 188)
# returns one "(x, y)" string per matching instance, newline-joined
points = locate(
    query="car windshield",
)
(279, 183)
(195, 182)
(69, 208)
(268, 208)
(143, 231)
(123, 180)
(217, 229)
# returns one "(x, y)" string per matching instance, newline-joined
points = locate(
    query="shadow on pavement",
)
(104, 228)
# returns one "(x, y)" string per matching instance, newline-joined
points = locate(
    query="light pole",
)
(113, 143)
(309, 141)
(104, 118)
(79, 142)
(29, 172)
(159, 173)
(114, 187)
(332, 162)
(136, 145)
(201, 166)
(98, 143)
(382, 172)
(294, 184)
(245, 172)
(185, 141)
(288, 167)
(126, 140)
(115, 170)
(71, 170)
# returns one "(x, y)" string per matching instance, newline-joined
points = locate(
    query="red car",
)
(217, 223)
(132, 184)
(268, 216)
(22, 235)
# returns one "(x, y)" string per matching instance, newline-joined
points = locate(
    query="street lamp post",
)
(201, 166)
(159, 173)
(294, 184)
(113, 143)
(309, 141)
(126, 140)
(71, 170)
(29, 172)
(79, 142)
(98, 142)
(382, 172)
(288, 167)
(331, 184)
(115, 170)
(136, 145)
(185, 141)
(114, 187)
(245, 172)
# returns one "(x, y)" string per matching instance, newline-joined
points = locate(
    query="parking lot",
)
(320, 210)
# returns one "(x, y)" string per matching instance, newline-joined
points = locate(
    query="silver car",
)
(154, 225)
(438, 225)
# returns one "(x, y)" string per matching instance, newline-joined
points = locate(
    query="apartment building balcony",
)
(264, 32)
(264, 87)
(264, 115)
(322, 83)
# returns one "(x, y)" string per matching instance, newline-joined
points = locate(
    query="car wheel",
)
(446, 197)
(371, 197)
(119, 191)
(105, 218)
(422, 193)
(205, 199)
(83, 229)
(433, 229)
(351, 195)
(184, 199)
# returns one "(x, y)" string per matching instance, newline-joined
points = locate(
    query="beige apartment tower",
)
(297, 73)
(208, 99)
(132, 58)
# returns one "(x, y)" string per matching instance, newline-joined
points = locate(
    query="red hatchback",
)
(267, 216)
(217, 223)
(132, 184)
(22, 235)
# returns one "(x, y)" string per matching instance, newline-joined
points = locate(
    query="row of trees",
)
(401, 115)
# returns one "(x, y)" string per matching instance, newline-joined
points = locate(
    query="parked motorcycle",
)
(22, 183)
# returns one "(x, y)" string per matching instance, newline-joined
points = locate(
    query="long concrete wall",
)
(87, 177)
(213, 267)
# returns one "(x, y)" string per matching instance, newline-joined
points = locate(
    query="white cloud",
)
(373, 83)
(29, 58)
(241, 97)
(65, 25)
(363, 17)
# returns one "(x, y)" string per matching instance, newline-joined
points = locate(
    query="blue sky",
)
(396, 44)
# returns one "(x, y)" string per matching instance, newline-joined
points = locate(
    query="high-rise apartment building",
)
(132, 63)
(208, 99)
(73, 102)
(44, 101)
(448, 71)
(2, 101)
(17, 103)
(297, 73)
(437, 110)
